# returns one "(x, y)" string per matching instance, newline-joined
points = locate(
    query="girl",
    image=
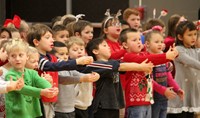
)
(110, 30)
(172, 24)
(84, 30)
(161, 74)
(187, 72)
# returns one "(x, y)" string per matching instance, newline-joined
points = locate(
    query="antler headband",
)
(79, 16)
(110, 17)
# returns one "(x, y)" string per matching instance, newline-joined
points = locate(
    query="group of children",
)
(63, 72)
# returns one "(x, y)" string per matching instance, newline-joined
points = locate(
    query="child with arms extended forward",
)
(25, 103)
(108, 98)
(138, 100)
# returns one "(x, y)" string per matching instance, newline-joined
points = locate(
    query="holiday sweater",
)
(25, 103)
(136, 82)
(163, 76)
(50, 65)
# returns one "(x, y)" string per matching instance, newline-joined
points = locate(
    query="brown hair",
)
(129, 11)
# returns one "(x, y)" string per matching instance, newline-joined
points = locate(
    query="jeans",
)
(139, 112)
(159, 109)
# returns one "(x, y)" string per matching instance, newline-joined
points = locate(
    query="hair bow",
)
(15, 21)
(157, 28)
(198, 25)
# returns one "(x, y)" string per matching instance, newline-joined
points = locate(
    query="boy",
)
(108, 98)
(64, 107)
(40, 37)
(138, 105)
(60, 33)
(24, 103)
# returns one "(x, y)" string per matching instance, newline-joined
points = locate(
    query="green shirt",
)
(25, 103)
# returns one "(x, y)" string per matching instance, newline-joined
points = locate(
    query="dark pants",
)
(81, 113)
(159, 109)
(106, 113)
(181, 115)
(64, 115)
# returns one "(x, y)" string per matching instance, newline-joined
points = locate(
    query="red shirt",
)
(136, 89)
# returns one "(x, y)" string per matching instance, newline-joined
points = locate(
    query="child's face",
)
(4, 35)
(113, 30)
(46, 43)
(133, 43)
(155, 45)
(103, 53)
(189, 38)
(87, 34)
(62, 36)
(134, 21)
(18, 59)
(33, 60)
(76, 51)
(61, 53)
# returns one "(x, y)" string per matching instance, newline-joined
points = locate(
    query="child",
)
(173, 21)
(40, 36)
(138, 100)
(132, 16)
(161, 74)
(83, 91)
(24, 103)
(5, 33)
(187, 71)
(64, 107)
(60, 33)
(110, 30)
(84, 30)
(108, 98)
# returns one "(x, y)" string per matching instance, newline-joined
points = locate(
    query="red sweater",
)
(54, 75)
(136, 82)
(116, 49)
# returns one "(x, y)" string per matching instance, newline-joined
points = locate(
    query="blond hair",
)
(32, 50)
(74, 40)
(16, 44)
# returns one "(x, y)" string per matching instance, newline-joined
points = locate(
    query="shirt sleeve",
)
(156, 59)
(159, 88)
(186, 59)
(66, 79)
(171, 82)
(46, 65)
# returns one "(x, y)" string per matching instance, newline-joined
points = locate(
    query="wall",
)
(188, 8)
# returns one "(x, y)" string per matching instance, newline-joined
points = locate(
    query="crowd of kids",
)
(62, 71)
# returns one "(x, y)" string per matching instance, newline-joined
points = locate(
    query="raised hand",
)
(147, 66)
(48, 77)
(181, 94)
(169, 93)
(16, 85)
(172, 53)
(49, 92)
(84, 60)
(90, 77)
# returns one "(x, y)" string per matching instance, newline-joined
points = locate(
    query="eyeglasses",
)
(115, 24)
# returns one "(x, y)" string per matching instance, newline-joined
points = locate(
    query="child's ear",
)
(77, 34)
(180, 37)
(147, 44)
(35, 42)
(105, 30)
(124, 44)
(95, 51)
